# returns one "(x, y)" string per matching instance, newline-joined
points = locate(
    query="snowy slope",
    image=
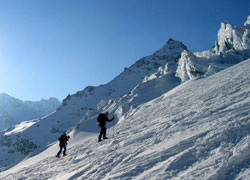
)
(13, 110)
(199, 130)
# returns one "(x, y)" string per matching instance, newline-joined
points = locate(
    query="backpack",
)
(101, 119)
(63, 138)
(60, 138)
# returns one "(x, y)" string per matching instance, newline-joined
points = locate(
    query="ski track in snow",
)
(199, 130)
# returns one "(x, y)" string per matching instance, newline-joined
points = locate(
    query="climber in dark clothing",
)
(102, 119)
(62, 144)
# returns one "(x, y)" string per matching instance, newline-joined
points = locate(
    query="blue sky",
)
(56, 47)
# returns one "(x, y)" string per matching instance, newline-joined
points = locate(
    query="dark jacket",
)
(63, 139)
(102, 119)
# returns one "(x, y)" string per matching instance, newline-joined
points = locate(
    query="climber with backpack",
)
(102, 119)
(62, 144)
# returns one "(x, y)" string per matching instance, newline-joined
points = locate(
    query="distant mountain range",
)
(13, 110)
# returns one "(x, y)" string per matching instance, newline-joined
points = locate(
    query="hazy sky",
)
(56, 47)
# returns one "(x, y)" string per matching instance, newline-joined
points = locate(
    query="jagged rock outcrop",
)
(233, 37)
(232, 46)
(188, 67)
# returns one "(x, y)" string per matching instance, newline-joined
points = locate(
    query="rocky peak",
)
(170, 48)
(173, 43)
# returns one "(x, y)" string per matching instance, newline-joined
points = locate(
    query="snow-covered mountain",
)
(198, 130)
(147, 79)
(13, 110)
(38, 133)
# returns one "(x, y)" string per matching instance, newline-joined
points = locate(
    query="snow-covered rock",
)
(232, 46)
(232, 38)
(171, 50)
(188, 67)
(247, 21)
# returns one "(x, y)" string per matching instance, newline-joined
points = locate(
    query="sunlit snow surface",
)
(20, 127)
(199, 130)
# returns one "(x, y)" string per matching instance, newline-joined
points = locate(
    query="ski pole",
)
(113, 128)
